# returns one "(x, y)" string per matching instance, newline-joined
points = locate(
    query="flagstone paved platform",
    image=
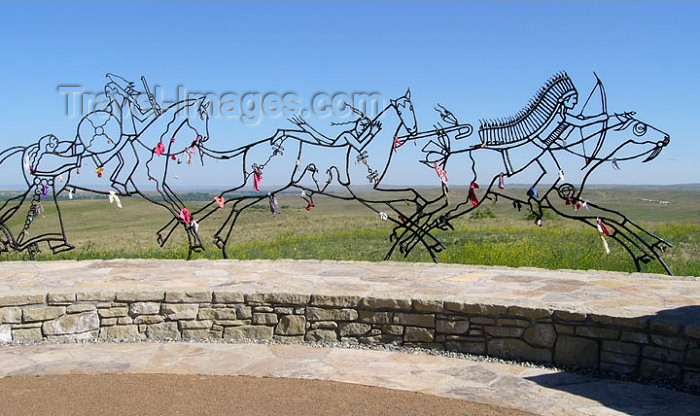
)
(666, 306)
(607, 293)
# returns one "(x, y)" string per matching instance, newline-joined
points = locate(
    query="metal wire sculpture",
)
(134, 142)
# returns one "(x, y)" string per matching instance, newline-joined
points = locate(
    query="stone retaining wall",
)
(646, 347)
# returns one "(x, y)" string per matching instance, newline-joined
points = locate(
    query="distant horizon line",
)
(203, 188)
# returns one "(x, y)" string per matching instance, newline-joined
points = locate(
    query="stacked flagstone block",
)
(650, 347)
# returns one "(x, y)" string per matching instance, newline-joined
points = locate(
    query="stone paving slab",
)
(607, 293)
(540, 391)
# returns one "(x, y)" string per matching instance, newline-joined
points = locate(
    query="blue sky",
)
(479, 59)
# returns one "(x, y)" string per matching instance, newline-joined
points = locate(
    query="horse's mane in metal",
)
(531, 119)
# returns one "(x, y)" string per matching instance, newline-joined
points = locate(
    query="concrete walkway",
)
(540, 391)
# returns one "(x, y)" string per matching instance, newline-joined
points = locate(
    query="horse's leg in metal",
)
(63, 244)
(637, 230)
(231, 221)
(649, 244)
(119, 179)
(172, 224)
(618, 228)
(396, 239)
(416, 232)
(622, 232)
(7, 240)
(421, 233)
(33, 250)
(15, 203)
(221, 242)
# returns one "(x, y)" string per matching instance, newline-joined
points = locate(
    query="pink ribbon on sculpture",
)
(397, 143)
(501, 181)
(257, 178)
(160, 148)
(472, 196)
(219, 201)
(185, 216)
(441, 173)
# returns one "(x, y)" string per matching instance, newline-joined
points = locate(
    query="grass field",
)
(341, 230)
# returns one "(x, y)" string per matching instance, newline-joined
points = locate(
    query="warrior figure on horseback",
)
(547, 121)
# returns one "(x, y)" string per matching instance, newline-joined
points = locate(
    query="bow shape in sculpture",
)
(603, 131)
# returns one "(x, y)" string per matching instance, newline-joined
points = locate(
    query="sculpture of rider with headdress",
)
(564, 121)
(547, 120)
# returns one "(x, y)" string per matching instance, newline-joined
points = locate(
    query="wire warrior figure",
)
(547, 121)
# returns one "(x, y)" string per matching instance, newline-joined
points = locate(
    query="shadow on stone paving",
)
(633, 398)
(629, 398)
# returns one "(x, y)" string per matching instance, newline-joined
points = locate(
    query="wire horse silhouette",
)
(543, 132)
(133, 142)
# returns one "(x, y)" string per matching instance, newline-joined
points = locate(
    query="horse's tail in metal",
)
(7, 153)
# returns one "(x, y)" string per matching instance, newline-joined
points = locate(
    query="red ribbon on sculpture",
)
(472, 196)
(397, 143)
(160, 148)
(185, 216)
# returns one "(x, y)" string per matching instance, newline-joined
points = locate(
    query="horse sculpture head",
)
(404, 109)
(643, 134)
(199, 121)
(625, 138)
